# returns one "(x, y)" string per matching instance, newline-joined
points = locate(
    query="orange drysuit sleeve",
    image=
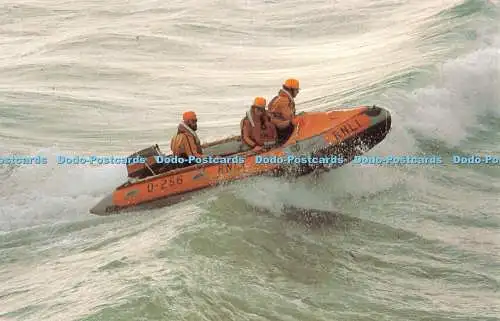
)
(281, 113)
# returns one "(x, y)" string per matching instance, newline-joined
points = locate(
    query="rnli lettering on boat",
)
(347, 129)
(231, 168)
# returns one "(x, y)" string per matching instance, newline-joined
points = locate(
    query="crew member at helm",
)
(282, 109)
(186, 143)
(257, 130)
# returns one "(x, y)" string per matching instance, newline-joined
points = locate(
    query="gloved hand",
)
(257, 149)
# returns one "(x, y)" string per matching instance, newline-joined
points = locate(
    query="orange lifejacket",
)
(186, 143)
(269, 134)
(282, 106)
(257, 133)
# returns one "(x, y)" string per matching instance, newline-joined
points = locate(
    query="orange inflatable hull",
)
(343, 133)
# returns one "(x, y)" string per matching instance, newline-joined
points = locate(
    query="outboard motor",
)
(148, 167)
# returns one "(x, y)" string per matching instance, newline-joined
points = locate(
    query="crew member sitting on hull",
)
(257, 131)
(186, 143)
(282, 109)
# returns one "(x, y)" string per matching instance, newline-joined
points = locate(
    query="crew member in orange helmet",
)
(257, 130)
(282, 109)
(186, 143)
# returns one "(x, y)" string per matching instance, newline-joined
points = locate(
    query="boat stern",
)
(104, 207)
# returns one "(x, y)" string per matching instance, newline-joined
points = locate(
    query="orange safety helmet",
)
(189, 115)
(259, 102)
(292, 83)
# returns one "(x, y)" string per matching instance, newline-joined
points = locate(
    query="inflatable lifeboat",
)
(338, 134)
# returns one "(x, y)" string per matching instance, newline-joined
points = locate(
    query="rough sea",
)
(392, 242)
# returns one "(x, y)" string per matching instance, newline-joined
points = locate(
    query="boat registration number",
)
(164, 183)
